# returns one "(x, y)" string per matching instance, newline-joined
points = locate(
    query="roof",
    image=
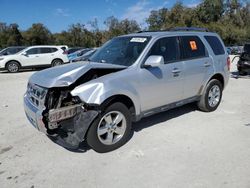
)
(48, 46)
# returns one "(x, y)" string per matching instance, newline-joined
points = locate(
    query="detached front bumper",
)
(34, 115)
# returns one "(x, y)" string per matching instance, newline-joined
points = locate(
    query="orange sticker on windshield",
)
(193, 45)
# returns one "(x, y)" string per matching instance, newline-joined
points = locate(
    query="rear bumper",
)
(34, 115)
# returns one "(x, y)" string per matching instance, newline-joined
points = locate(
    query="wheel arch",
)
(124, 99)
(56, 59)
(14, 61)
(219, 77)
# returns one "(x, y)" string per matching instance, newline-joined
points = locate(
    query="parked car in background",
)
(78, 53)
(128, 78)
(32, 57)
(11, 50)
(229, 50)
(236, 50)
(72, 50)
(84, 57)
(243, 64)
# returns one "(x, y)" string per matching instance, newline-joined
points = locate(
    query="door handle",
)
(207, 64)
(37, 56)
(176, 70)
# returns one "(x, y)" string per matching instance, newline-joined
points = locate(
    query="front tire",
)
(211, 98)
(13, 67)
(111, 130)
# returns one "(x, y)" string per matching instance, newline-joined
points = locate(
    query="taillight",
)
(65, 52)
(228, 63)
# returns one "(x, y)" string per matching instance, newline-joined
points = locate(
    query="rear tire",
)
(242, 73)
(111, 129)
(211, 97)
(56, 62)
(13, 67)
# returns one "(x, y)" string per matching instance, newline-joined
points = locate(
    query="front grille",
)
(36, 95)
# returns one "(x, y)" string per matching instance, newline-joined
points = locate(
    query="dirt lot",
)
(180, 148)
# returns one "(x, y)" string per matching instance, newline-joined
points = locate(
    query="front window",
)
(32, 51)
(168, 48)
(121, 50)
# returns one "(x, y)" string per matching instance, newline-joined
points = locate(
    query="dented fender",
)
(97, 92)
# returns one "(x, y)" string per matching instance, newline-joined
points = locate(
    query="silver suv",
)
(128, 78)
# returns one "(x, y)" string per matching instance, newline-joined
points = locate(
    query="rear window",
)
(215, 44)
(192, 47)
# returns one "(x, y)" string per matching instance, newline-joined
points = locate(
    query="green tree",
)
(116, 27)
(38, 34)
(210, 10)
(15, 38)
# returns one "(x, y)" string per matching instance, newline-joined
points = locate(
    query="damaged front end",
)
(52, 109)
(67, 119)
(56, 113)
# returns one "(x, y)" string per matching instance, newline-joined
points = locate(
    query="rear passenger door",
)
(45, 56)
(197, 64)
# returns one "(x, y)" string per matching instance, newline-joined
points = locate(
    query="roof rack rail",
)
(189, 29)
(148, 31)
(178, 29)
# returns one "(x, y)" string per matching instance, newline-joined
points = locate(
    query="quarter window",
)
(192, 47)
(215, 44)
(53, 50)
(166, 47)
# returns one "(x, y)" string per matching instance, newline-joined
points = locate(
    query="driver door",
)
(162, 85)
(31, 57)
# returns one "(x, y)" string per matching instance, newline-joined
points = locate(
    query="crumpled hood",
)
(65, 75)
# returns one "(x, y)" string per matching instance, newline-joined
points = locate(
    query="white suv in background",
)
(34, 56)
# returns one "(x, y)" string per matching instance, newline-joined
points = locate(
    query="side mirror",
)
(25, 54)
(154, 61)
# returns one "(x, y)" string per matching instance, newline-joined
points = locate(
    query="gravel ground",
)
(179, 148)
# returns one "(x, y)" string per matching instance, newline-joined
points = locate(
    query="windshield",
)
(121, 50)
(2, 52)
(22, 50)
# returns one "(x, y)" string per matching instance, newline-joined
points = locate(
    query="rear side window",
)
(166, 47)
(215, 44)
(192, 47)
(45, 50)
